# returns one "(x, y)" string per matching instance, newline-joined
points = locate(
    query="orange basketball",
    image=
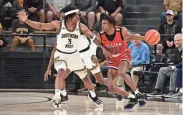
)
(152, 37)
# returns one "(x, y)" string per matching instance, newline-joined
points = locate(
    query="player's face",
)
(178, 42)
(106, 26)
(75, 18)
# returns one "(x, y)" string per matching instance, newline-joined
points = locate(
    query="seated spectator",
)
(176, 6)
(170, 27)
(87, 11)
(34, 8)
(20, 27)
(3, 42)
(53, 7)
(165, 72)
(111, 7)
(8, 12)
(140, 55)
(178, 80)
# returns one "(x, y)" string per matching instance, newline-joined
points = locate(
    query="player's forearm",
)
(51, 59)
(33, 24)
(136, 37)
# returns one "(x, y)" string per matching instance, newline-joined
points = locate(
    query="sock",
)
(181, 90)
(57, 92)
(63, 92)
(92, 92)
(131, 96)
(136, 91)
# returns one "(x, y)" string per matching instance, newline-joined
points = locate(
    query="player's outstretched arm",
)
(48, 71)
(37, 25)
(131, 36)
(93, 37)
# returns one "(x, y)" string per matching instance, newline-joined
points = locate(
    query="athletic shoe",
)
(119, 97)
(96, 100)
(132, 103)
(64, 98)
(141, 99)
(56, 101)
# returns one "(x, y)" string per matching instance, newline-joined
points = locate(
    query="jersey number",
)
(69, 41)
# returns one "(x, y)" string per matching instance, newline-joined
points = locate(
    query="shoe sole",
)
(101, 105)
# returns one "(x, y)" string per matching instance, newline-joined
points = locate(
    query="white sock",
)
(57, 91)
(136, 91)
(92, 92)
(181, 90)
(63, 92)
(131, 96)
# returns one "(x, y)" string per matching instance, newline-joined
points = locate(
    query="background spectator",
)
(176, 6)
(111, 7)
(165, 72)
(21, 28)
(53, 7)
(169, 27)
(87, 11)
(34, 8)
(8, 12)
(140, 55)
(3, 42)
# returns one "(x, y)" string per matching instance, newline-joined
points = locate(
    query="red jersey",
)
(118, 47)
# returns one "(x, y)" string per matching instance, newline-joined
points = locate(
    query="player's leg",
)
(122, 72)
(112, 79)
(88, 84)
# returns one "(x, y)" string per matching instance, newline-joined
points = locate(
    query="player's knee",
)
(122, 73)
(60, 74)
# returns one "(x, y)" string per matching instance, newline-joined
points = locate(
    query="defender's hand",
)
(47, 73)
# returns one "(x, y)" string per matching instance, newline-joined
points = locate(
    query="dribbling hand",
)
(47, 73)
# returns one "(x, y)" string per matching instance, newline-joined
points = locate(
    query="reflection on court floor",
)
(23, 103)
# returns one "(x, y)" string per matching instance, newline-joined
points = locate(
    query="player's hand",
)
(94, 59)
(107, 53)
(22, 16)
(47, 73)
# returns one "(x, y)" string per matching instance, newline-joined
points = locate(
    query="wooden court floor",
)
(23, 103)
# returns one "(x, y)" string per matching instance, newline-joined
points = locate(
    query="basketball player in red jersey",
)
(113, 38)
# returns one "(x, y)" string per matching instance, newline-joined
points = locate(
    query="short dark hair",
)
(67, 9)
(104, 16)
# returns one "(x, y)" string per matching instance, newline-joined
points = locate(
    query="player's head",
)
(107, 22)
(70, 13)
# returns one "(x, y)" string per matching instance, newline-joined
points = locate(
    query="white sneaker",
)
(57, 101)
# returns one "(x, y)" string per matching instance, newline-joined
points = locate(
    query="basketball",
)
(152, 37)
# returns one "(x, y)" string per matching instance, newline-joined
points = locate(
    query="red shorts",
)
(115, 61)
